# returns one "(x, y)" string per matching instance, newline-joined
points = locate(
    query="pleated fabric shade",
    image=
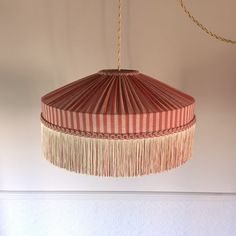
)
(117, 123)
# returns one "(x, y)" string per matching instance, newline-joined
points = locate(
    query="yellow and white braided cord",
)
(202, 27)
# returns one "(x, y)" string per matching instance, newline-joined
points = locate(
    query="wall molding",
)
(116, 192)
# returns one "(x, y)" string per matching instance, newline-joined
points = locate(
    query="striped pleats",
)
(118, 103)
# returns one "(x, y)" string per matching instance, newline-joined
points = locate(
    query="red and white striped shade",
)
(114, 104)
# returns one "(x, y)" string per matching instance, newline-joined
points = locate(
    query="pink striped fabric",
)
(118, 102)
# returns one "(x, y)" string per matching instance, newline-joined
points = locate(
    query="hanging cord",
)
(204, 28)
(119, 35)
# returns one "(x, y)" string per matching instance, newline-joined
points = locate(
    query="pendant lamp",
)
(117, 123)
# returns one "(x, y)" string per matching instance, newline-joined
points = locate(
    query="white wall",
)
(47, 43)
(38, 214)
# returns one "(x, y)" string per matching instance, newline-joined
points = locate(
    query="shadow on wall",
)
(212, 81)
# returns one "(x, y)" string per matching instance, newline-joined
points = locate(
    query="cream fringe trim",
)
(108, 157)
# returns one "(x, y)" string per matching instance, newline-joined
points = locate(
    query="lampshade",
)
(117, 123)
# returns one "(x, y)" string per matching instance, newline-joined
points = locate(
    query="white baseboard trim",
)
(6, 194)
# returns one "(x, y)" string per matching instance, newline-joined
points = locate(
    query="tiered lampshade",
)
(117, 123)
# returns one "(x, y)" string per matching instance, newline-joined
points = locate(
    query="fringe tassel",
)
(117, 158)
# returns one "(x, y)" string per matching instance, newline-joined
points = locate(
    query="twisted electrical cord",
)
(202, 27)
